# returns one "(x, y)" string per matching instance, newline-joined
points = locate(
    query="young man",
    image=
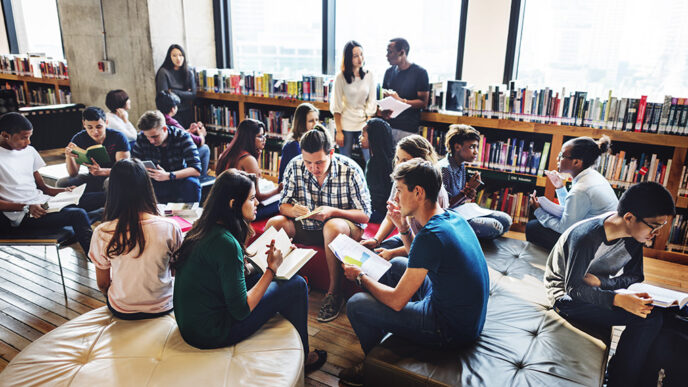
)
(175, 178)
(22, 190)
(436, 297)
(582, 274)
(406, 82)
(462, 142)
(336, 186)
(95, 132)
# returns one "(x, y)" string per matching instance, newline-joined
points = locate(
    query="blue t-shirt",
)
(114, 142)
(407, 83)
(448, 248)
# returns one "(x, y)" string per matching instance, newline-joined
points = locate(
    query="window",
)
(431, 28)
(279, 37)
(632, 47)
(37, 25)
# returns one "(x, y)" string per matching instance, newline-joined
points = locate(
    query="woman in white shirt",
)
(117, 101)
(354, 99)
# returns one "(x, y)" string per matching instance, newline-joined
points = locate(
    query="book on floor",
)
(96, 152)
(351, 252)
(293, 258)
(63, 199)
(661, 297)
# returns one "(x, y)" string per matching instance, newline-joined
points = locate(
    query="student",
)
(95, 132)
(168, 104)
(216, 305)
(354, 99)
(408, 83)
(582, 274)
(334, 185)
(22, 190)
(243, 154)
(590, 194)
(135, 245)
(171, 150)
(462, 143)
(118, 102)
(413, 146)
(305, 118)
(377, 137)
(438, 296)
(175, 76)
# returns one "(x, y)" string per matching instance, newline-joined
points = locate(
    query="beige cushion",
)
(97, 349)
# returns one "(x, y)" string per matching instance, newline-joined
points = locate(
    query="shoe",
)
(352, 376)
(330, 308)
(322, 358)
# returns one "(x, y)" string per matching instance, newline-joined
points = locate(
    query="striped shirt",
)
(453, 176)
(344, 188)
(180, 151)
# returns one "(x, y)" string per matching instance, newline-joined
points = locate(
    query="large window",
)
(38, 27)
(277, 36)
(431, 27)
(633, 47)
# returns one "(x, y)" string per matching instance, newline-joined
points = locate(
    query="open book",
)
(351, 252)
(63, 199)
(660, 296)
(97, 152)
(293, 259)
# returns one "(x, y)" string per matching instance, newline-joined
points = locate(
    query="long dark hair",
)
(130, 193)
(347, 67)
(381, 143)
(168, 59)
(244, 140)
(230, 184)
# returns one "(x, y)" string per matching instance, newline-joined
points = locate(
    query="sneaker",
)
(352, 376)
(330, 308)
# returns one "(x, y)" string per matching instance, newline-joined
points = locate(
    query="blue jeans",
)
(491, 226)
(627, 363)
(187, 190)
(72, 216)
(267, 211)
(288, 298)
(392, 242)
(540, 235)
(350, 138)
(204, 155)
(417, 321)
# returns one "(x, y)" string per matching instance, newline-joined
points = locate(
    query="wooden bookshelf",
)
(26, 80)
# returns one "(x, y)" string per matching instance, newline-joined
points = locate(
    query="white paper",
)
(396, 106)
(551, 207)
(265, 185)
(661, 297)
(63, 199)
(293, 259)
(58, 171)
(469, 211)
(351, 252)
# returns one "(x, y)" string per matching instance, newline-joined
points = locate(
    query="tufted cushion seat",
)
(524, 342)
(97, 349)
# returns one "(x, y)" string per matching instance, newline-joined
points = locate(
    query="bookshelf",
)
(31, 90)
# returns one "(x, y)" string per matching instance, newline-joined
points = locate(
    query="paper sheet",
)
(351, 252)
(469, 211)
(396, 106)
(551, 207)
(58, 202)
(266, 185)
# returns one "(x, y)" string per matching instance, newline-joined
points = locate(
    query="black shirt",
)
(407, 83)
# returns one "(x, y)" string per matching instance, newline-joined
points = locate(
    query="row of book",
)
(269, 162)
(512, 155)
(683, 182)
(678, 235)
(516, 204)
(48, 96)
(34, 66)
(220, 118)
(276, 121)
(622, 171)
(18, 90)
(308, 88)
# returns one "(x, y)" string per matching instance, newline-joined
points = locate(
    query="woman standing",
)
(117, 101)
(175, 75)
(305, 118)
(354, 98)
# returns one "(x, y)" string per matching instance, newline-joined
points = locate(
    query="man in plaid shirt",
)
(175, 155)
(334, 185)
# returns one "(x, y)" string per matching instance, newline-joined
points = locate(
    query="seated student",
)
(582, 274)
(243, 154)
(306, 117)
(174, 154)
(377, 137)
(136, 245)
(462, 142)
(22, 190)
(408, 148)
(438, 296)
(334, 185)
(217, 303)
(95, 132)
(168, 104)
(117, 101)
(590, 194)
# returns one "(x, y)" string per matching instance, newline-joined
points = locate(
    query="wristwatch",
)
(25, 208)
(172, 176)
(359, 277)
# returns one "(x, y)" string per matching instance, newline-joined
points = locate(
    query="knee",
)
(505, 220)
(276, 221)
(532, 228)
(356, 305)
(334, 227)
(399, 264)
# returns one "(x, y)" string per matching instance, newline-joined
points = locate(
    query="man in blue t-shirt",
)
(408, 83)
(438, 296)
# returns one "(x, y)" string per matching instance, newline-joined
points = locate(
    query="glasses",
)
(562, 156)
(261, 136)
(653, 229)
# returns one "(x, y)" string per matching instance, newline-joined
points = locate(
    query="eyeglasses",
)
(561, 156)
(653, 229)
(261, 136)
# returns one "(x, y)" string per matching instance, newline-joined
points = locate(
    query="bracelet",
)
(408, 230)
(274, 273)
(376, 241)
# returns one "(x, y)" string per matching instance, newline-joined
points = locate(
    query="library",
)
(327, 193)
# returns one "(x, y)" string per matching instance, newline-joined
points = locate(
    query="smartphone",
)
(149, 164)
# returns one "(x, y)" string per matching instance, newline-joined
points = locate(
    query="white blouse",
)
(355, 101)
(116, 123)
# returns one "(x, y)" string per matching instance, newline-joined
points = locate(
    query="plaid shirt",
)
(453, 176)
(179, 153)
(344, 188)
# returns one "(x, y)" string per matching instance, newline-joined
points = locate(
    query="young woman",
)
(175, 76)
(132, 248)
(117, 101)
(590, 193)
(243, 154)
(354, 98)
(408, 148)
(377, 138)
(305, 118)
(216, 305)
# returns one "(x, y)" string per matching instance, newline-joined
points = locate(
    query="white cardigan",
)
(355, 101)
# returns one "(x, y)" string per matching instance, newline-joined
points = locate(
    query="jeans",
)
(491, 226)
(136, 315)
(204, 155)
(94, 195)
(627, 363)
(417, 321)
(540, 235)
(392, 242)
(69, 216)
(398, 134)
(267, 211)
(350, 138)
(187, 190)
(288, 298)
(79, 179)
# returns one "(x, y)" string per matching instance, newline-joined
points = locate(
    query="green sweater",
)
(210, 290)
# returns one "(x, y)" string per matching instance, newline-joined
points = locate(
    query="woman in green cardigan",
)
(216, 302)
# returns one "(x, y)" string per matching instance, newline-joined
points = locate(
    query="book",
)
(661, 297)
(96, 152)
(351, 252)
(63, 199)
(293, 258)
(180, 209)
(308, 215)
(184, 224)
